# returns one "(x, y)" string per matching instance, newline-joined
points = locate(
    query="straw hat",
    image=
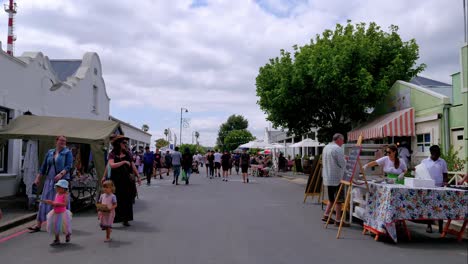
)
(119, 138)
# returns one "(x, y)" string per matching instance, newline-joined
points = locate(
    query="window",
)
(423, 142)
(95, 99)
(4, 116)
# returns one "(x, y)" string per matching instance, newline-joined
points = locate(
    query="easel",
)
(313, 187)
(347, 181)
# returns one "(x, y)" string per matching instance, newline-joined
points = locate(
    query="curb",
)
(17, 221)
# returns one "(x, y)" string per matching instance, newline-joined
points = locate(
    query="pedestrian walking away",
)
(148, 161)
(187, 160)
(207, 163)
(244, 164)
(125, 189)
(106, 213)
(225, 163)
(211, 163)
(332, 172)
(56, 166)
(176, 163)
(59, 219)
(158, 164)
(217, 163)
(237, 162)
(168, 162)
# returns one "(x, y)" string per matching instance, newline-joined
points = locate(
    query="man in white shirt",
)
(217, 160)
(436, 166)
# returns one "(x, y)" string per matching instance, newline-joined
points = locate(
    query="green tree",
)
(332, 82)
(193, 148)
(234, 122)
(161, 142)
(235, 138)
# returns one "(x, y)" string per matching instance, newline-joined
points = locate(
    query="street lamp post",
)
(181, 111)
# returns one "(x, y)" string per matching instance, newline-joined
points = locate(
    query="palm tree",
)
(145, 127)
(197, 135)
(166, 132)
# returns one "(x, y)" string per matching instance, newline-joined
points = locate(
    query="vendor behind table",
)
(393, 166)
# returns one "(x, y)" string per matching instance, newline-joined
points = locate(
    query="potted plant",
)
(298, 163)
(306, 162)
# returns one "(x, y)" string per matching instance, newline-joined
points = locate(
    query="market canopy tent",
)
(307, 143)
(395, 124)
(45, 128)
(259, 144)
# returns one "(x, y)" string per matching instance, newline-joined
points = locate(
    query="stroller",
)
(195, 167)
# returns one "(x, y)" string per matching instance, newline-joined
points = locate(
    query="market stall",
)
(88, 140)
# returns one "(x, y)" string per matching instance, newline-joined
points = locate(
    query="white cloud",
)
(164, 54)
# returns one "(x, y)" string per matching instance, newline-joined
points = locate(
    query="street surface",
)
(211, 221)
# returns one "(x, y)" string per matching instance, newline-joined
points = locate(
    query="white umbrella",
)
(276, 146)
(307, 143)
(260, 144)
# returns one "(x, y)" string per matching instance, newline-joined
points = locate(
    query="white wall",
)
(25, 84)
(432, 127)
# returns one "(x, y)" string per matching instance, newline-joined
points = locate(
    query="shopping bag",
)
(184, 175)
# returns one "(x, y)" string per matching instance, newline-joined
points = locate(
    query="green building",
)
(422, 113)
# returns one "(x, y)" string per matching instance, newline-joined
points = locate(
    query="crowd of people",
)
(124, 168)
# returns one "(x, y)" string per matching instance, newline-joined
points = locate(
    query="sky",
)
(204, 55)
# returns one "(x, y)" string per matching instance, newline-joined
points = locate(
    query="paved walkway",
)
(210, 221)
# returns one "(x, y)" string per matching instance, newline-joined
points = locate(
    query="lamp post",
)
(181, 111)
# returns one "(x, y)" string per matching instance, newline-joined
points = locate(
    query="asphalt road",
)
(210, 221)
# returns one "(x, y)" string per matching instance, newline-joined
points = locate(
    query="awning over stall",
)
(395, 124)
(45, 129)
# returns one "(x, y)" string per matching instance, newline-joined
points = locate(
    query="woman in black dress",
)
(122, 166)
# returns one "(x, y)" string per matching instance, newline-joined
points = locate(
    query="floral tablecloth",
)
(389, 203)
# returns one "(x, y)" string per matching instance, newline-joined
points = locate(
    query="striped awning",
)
(396, 124)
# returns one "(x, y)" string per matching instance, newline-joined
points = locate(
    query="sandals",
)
(325, 219)
(34, 229)
(337, 223)
(55, 243)
(67, 238)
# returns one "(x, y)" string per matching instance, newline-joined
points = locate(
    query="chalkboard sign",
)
(314, 177)
(351, 164)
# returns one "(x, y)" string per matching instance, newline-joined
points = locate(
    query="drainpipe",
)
(446, 129)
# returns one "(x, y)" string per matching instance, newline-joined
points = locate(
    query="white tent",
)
(260, 144)
(307, 143)
(276, 146)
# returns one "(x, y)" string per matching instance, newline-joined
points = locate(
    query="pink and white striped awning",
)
(396, 124)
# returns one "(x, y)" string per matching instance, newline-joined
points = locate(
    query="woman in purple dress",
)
(56, 166)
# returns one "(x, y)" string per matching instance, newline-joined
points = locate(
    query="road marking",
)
(5, 239)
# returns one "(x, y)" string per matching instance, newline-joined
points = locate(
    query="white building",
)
(65, 88)
(138, 137)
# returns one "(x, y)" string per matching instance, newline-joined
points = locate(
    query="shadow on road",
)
(138, 226)
(65, 247)
(118, 243)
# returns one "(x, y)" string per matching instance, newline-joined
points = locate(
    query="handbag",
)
(184, 175)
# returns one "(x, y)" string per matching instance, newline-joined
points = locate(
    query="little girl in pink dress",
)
(59, 218)
(106, 216)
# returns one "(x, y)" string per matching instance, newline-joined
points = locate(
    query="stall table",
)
(391, 203)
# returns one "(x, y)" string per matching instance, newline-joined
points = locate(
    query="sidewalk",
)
(15, 212)
(295, 177)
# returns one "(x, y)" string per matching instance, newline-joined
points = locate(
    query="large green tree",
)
(235, 138)
(335, 80)
(194, 148)
(234, 122)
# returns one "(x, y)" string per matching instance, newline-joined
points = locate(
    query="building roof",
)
(426, 82)
(127, 124)
(65, 68)
(433, 85)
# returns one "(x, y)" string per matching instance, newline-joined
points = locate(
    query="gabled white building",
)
(65, 88)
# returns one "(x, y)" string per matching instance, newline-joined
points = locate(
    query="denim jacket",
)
(64, 161)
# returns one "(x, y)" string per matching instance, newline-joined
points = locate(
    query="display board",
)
(351, 164)
(314, 182)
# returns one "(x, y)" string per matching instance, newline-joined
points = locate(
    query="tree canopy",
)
(193, 148)
(235, 138)
(161, 142)
(332, 82)
(234, 122)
